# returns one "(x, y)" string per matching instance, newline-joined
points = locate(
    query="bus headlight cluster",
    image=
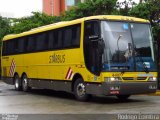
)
(153, 79)
(112, 79)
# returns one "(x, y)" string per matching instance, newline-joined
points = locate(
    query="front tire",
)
(80, 90)
(17, 83)
(25, 83)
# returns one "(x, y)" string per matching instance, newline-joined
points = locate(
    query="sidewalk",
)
(155, 94)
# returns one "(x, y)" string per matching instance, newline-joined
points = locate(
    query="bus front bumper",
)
(121, 88)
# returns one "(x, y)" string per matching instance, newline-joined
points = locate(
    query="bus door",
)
(92, 54)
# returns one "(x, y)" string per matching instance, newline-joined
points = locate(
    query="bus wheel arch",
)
(79, 88)
(23, 74)
(17, 82)
(75, 77)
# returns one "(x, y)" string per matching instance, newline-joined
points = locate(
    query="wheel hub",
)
(17, 83)
(81, 89)
(25, 82)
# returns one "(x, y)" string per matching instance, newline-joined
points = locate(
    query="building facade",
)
(56, 7)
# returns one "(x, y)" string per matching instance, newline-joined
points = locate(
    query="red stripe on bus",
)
(70, 75)
(12, 68)
(67, 73)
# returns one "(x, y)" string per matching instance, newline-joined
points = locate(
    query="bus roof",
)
(66, 23)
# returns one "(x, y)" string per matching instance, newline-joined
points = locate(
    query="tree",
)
(36, 20)
(89, 8)
(4, 27)
(149, 10)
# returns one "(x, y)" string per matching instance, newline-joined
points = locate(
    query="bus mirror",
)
(97, 43)
(94, 38)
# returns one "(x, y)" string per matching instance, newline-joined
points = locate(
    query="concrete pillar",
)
(47, 7)
(56, 7)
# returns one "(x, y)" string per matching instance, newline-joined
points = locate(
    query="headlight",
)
(152, 79)
(112, 79)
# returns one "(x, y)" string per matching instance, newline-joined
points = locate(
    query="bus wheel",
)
(123, 97)
(17, 83)
(80, 90)
(25, 86)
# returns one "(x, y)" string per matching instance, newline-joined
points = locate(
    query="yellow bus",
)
(97, 55)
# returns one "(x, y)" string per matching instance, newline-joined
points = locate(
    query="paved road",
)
(51, 102)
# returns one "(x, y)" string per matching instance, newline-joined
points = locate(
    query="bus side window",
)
(57, 39)
(4, 50)
(15, 49)
(60, 37)
(68, 37)
(25, 42)
(10, 47)
(31, 44)
(21, 45)
(72, 36)
(76, 36)
(50, 40)
(41, 42)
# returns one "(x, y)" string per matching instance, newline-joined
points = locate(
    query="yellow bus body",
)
(40, 66)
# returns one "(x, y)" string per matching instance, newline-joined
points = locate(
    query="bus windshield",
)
(128, 46)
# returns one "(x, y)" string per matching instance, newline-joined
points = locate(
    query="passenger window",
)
(67, 38)
(72, 36)
(21, 45)
(58, 39)
(5, 50)
(31, 44)
(10, 47)
(41, 42)
(50, 40)
(15, 49)
(76, 36)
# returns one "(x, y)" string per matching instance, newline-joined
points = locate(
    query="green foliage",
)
(36, 20)
(149, 10)
(89, 8)
(4, 27)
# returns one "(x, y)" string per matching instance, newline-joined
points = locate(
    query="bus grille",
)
(134, 78)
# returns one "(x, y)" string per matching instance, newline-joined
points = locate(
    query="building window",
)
(70, 3)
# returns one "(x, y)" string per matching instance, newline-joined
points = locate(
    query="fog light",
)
(115, 88)
(152, 87)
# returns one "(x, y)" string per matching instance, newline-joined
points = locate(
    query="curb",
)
(155, 94)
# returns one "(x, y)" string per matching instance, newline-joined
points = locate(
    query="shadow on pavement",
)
(94, 99)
